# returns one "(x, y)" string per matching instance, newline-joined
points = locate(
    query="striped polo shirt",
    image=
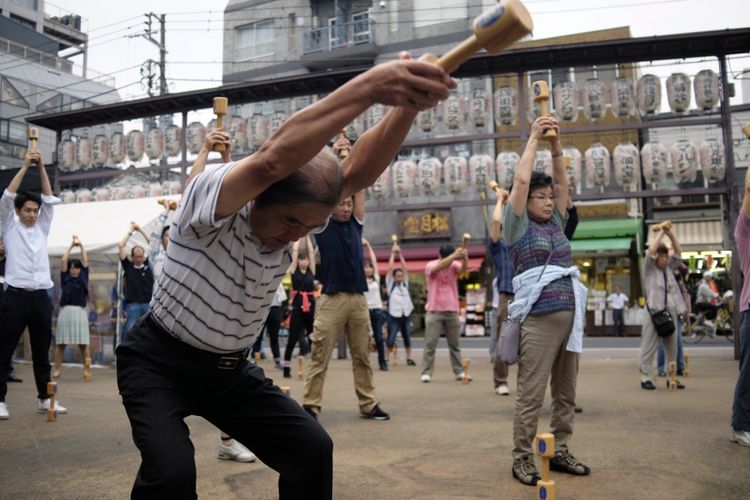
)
(218, 280)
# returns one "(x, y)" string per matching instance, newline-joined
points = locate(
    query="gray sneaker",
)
(525, 471)
(741, 437)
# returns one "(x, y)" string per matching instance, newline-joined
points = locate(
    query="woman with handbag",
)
(549, 306)
(664, 305)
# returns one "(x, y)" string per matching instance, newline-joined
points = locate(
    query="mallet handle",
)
(459, 54)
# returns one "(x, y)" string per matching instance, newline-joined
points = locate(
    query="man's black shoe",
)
(648, 385)
(310, 411)
(376, 414)
(13, 378)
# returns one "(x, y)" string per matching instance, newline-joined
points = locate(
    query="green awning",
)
(607, 228)
(597, 245)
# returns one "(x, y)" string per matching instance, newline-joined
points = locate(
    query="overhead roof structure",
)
(697, 44)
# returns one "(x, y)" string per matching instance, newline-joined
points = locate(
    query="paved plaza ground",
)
(445, 439)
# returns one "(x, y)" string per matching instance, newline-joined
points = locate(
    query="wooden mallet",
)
(465, 363)
(667, 224)
(545, 449)
(343, 153)
(87, 369)
(51, 392)
(33, 138)
(494, 30)
(394, 239)
(221, 105)
(301, 371)
(466, 239)
(541, 97)
(494, 186)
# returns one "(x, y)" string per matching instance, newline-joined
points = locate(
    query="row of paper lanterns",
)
(683, 159)
(623, 97)
(134, 190)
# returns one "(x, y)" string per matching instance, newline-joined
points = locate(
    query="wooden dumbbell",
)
(221, 106)
(51, 392)
(686, 371)
(540, 89)
(465, 363)
(87, 369)
(545, 449)
(394, 355)
(301, 371)
(672, 382)
(466, 239)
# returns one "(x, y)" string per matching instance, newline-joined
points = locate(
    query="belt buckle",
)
(228, 362)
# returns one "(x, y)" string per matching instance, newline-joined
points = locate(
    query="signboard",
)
(422, 224)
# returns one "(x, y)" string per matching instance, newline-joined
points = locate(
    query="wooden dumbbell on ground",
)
(465, 362)
(87, 370)
(394, 355)
(672, 382)
(51, 392)
(301, 371)
(545, 449)
(686, 371)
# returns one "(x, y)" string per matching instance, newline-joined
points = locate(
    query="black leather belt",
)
(27, 291)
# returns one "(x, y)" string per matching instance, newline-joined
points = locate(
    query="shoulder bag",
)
(662, 320)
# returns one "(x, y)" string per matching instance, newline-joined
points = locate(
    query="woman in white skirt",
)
(73, 322)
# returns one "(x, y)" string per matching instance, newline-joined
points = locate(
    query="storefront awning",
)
(607, 228)
(696, 235)
(601, 245)
(418, 266)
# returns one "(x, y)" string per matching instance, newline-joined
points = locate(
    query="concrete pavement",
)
(445, 439)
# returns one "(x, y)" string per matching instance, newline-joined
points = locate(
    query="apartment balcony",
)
(334, 46)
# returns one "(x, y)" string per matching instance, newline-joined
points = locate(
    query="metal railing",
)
(337, 36)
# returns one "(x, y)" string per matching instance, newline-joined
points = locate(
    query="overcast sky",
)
(195, 29)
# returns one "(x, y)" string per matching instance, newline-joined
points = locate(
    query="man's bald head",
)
(319, 181)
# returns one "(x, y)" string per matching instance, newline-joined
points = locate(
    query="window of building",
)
(27, 4)
(361, 27)
(393, 16)
(10, 95)
(54, 103)
(255, 40)
(292, 33)
(429, 12)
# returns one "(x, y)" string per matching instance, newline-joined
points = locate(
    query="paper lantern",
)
(654, 162)
(594, 97)
(258, 130)
(100, 150)
(403, 173)
(565, 95)
(543, 161)
(506, 164)
(120, 193)
(455, 171)
(172, 140)
(101, 194)
(67, 196)
(427, 119)
(83, 152)
(706, 86)
(277, 120)
(155, 189)
(356, 127)
(195, 137)
(648, 94)
(118, 146)
(506, 105)
(154, 143)
(678, 92)
(454, 111)
(135, 145)
(137, 191)
(428, 175)
(172, 187)
(627, 164)
(83, 195)
(574, 168)
(712, 160)
(66, 155)
(479, 107)
(597, 165)
(375, 113)
(480, 167)
(237, 133)
(379, 189)
(622, 97)
(684, 161)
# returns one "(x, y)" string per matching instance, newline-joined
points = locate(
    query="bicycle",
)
(700, 326)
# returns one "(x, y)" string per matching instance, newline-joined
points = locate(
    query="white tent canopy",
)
(101, 225)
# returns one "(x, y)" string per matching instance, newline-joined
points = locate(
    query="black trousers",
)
(163, 380)
(618, 318)
(23, 309)
(272, 327)
(300, 327)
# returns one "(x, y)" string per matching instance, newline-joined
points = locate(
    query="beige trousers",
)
(650, 343)
(347, 311)
(543, 358)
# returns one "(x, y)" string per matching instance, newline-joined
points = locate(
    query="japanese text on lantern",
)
(425, 224)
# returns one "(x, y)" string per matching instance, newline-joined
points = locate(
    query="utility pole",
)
(147, 69)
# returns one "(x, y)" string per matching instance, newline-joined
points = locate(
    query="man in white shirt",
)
(27, 278)
(400, 305)
(617, 302)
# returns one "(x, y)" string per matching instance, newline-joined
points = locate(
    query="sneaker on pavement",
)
(425, 378)
(502, 390)
(564, 461)
(43, 406)
(525, 471)
(4, 412)
(460, 376)
(376, 414)
(235, 451)
(411, 362)
(739, 437)
(648, 385)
